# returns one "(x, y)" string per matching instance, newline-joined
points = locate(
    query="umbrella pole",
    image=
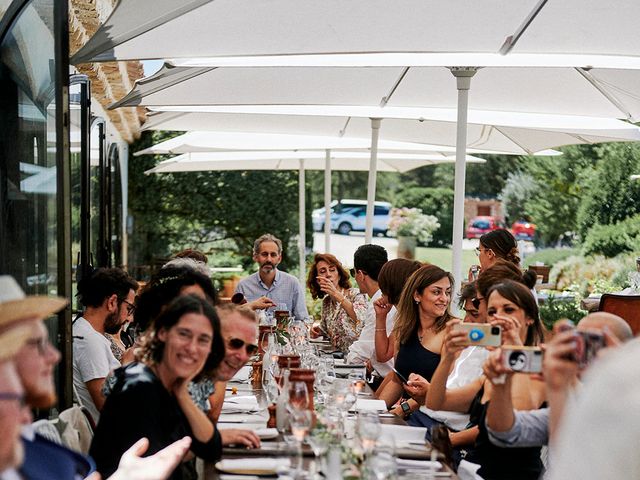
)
(302, 231)
(463, 81)
(371, 187)
(327, 201)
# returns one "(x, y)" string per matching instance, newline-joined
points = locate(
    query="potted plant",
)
(411, 226)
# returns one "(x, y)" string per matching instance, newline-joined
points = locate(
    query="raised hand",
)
(417, 387)
(510, 329)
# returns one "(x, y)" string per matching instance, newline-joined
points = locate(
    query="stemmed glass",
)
(269, 385)
(357, 381)
(300, 421)
(369, 429)
(298, 396)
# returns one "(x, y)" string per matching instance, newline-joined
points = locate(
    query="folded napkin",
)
(370, 405)
(403, 434)
(242, 403)
(243, 374)
(405, 463)
(265, 433)
(252, 464)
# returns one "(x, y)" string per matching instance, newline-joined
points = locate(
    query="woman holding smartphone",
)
(418, 333)
(511, 306)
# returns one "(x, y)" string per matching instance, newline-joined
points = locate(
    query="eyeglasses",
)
(474, 313)
(237, 344)
(12, 396)
(130, 307)
(479, 250)
(476, 302)
(40, 343)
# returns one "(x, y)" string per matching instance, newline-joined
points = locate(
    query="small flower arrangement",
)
(411, 222)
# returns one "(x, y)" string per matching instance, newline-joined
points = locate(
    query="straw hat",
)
(12, 339)
(15, 305)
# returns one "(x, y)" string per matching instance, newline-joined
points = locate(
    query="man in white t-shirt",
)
(108, 297)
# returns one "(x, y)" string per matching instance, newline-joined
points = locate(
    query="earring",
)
(417, 301)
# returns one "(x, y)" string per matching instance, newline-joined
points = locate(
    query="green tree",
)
(516, 195)
(609, 193)
(176, 210)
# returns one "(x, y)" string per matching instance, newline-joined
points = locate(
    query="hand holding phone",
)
(481, 334)
(401, 377)
(521, 359)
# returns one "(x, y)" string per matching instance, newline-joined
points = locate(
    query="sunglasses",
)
(476, 302)
(237, 344)
(130, 307)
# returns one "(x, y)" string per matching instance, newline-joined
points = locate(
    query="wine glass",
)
(300, 422)
(357, 381)
(369, 429)
(298, 396)
(269, 386)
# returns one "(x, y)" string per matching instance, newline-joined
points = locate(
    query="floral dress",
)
(335, 321)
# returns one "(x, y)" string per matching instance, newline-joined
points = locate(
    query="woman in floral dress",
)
(344, 309)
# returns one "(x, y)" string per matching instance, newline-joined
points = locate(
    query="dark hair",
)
(407, 318)
(393, 276)
(153, 347)
(163, 287)
(503, 270)
(312, 281)
(104, 282)
(467, 292)
(370, 259)
(192, 253)
(502, 243)
(519, 294)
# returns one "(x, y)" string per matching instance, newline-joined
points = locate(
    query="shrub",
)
(549, 256)
(411, 222)
(612, 240)
(555, 309)
(593, 274)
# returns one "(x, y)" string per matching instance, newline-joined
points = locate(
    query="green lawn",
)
(442, 258)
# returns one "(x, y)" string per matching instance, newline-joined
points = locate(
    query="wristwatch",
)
(406, 408)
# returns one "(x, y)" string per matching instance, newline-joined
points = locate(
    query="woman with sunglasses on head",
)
(344, 309)
(418, 333)
(151, 398)
(510, 305)
(494, 245)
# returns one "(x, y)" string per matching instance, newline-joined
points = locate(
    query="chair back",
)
(625, 306)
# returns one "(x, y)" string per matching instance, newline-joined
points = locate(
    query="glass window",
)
(28, 236)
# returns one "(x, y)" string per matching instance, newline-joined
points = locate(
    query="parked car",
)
(478, 226)
(350, 215)
(523, 230)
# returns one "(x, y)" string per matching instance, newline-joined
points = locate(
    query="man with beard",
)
(108, 297)
(269, 283)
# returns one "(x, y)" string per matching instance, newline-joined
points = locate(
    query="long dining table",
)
(411, 456)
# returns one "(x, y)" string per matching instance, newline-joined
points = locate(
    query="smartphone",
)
(588, 344)
(400, 376)
(481, 334)
(522, 359)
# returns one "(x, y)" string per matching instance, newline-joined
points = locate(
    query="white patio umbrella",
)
(339, 35)
(326, 160)
(153, 29)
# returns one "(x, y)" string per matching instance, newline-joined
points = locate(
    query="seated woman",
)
(151, 398)
(494, 245)
(512, 306)
(344, 309)
(418, 333)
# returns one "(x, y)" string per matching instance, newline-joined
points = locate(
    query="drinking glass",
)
(300, 422)
(298, 396)
(368, 429)
(357, 381)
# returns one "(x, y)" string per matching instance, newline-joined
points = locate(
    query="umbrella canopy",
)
(286, 160)
(147, 29)
(217, 141)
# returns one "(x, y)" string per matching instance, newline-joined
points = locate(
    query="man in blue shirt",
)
(269, 286)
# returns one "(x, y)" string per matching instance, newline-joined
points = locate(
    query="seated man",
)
(508, 428)
(34, 359)
(269, 286)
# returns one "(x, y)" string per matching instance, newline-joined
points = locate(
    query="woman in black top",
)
(512, 306)
(418, 333)
(151, 398)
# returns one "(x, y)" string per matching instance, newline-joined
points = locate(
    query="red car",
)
(523, 230)
(478, 226)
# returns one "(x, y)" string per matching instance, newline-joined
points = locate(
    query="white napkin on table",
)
(370, 405)
(242, 375)
(406, 463)
(242, 403)
(252, 463)
(404, 434)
